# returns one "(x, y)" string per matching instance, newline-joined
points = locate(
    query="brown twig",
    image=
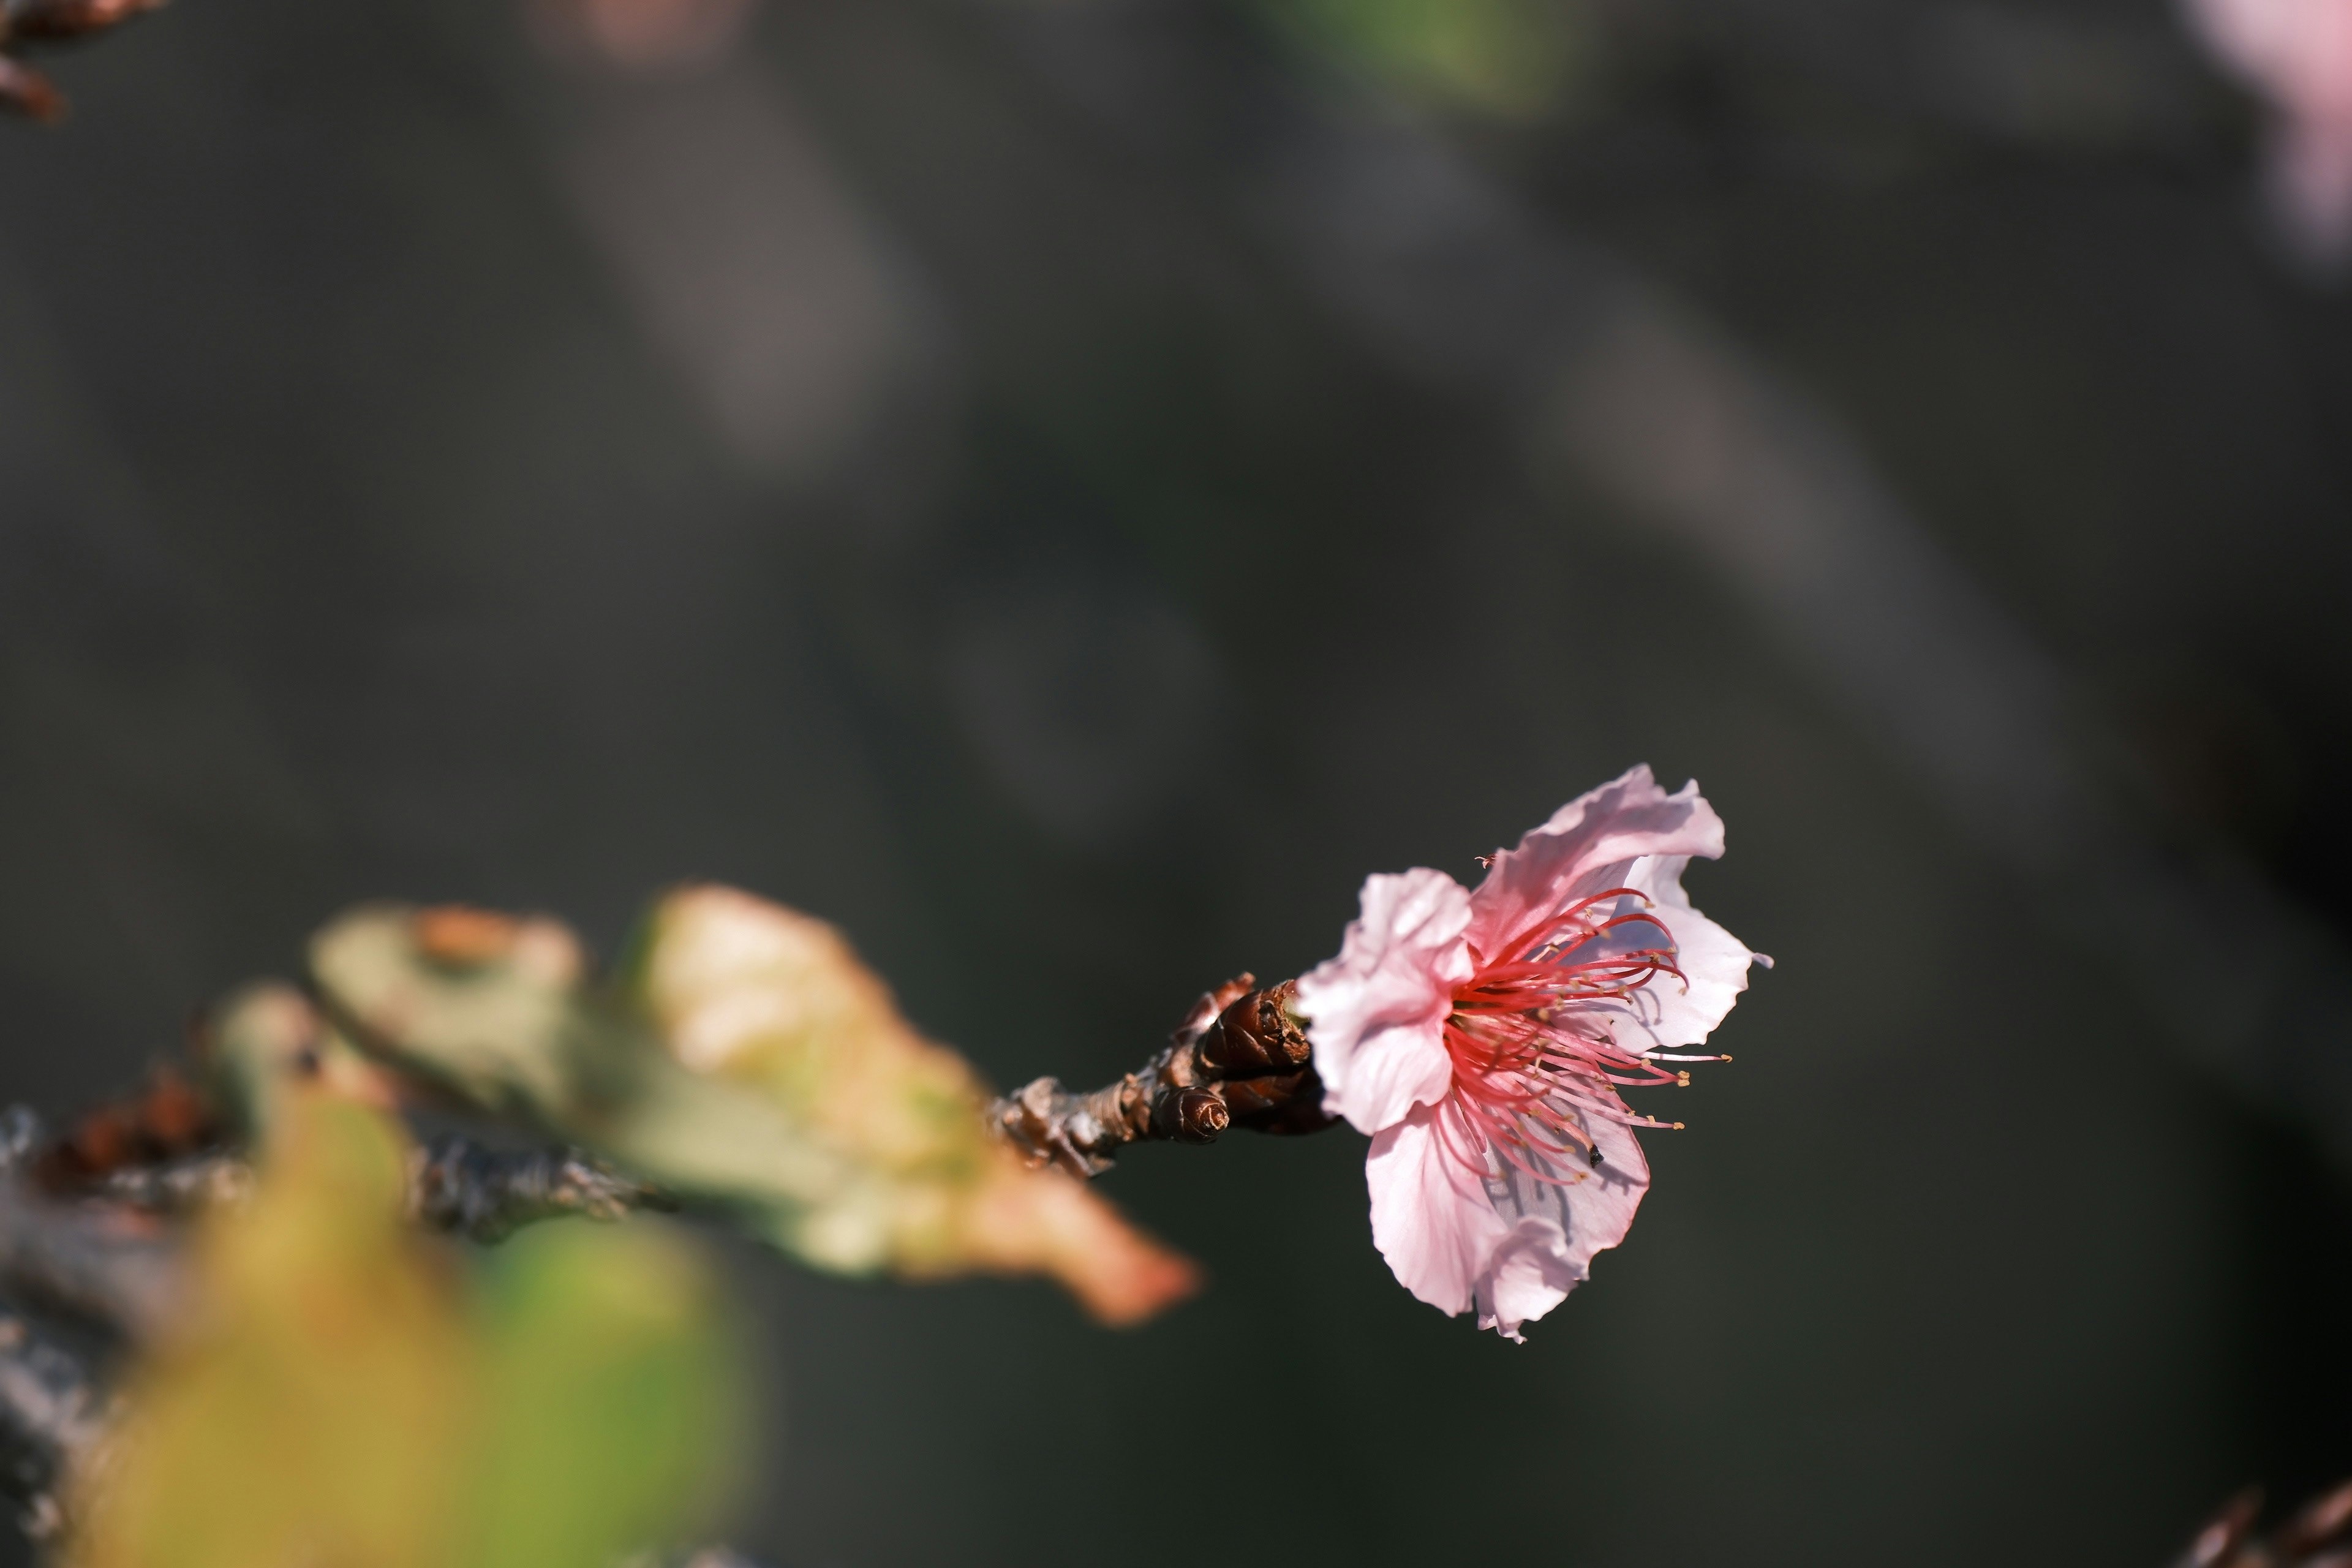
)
(486, 1194)
(170, 1123)
(85, 1236)
(2318, 1536)
(53, 1415)
(27, 90)
(177, 1186)
(1239, 1059)
(454, 1185)
(101, 1263)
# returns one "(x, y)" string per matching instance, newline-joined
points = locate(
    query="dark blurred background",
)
(1065, 488)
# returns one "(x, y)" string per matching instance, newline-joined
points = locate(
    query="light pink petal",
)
(1669, 1013)
(1713, 963)
(1561, 861)
(1557, 1226)
(1376, 1013)
(1511, 1245)
(2299, 52)
(1431, 1216)
(2311, 183)
(1528, 1277)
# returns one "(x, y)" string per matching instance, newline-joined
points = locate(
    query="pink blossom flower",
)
(1482, 1037)
(2298, 54)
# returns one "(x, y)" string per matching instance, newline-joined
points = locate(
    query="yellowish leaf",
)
(745, 1057)
(313, 1415)
(343, 1395)
(756, 994)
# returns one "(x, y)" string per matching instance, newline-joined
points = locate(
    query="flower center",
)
(1533, 1039)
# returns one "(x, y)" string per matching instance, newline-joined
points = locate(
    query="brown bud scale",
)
(1240, 1058)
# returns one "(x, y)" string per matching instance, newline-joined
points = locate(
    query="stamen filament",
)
(1535, 1059)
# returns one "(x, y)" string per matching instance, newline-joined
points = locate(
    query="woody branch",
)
(88, 1242)
(43, 22)
(1239, 1059)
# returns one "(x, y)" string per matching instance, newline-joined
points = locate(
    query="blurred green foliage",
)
(344, 1393)
(612, 1407)
(743, 1056)
(1509, 59)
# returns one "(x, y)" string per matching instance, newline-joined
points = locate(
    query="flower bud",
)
(1255, 1036)
(1190, 1115)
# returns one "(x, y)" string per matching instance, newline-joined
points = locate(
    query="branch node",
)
(1189, 1115)
(52, 1416)
(1240, 1058)
(486, 1194)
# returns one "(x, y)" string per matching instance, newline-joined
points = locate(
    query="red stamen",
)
(1535, 1058)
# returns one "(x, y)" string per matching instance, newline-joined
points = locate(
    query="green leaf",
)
(343, 1394)
(315, 1407)
(745, 1057)
(614, 1413)
(1509, 59)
